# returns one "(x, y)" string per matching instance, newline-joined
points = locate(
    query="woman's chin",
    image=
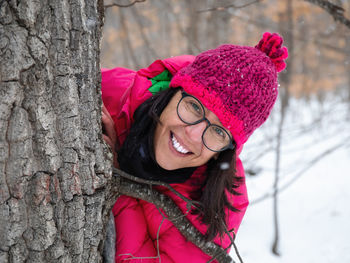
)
(169, 163)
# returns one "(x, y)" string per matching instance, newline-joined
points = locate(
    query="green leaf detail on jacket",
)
(160, 82)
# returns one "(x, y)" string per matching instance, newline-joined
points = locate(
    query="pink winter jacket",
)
(140, 231)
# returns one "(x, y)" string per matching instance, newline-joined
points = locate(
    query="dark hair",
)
(211, 196)
(220, 177)
(146, 117)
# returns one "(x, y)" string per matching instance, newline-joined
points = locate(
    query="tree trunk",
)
(55, 171)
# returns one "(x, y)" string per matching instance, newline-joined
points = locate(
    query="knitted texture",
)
(238, 83)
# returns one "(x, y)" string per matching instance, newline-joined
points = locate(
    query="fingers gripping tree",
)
(55, 171)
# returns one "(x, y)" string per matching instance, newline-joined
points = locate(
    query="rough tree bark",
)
(56, 184)
(55, 171)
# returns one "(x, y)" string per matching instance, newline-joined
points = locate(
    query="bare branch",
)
(190, 203)
(138, 188)
(158, 183)
(236, 251)
(221, 8)
(336, 11)
(127, 5)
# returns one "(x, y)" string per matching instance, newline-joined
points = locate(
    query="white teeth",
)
(177, 145)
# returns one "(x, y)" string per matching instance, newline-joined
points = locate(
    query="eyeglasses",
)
(191, 111)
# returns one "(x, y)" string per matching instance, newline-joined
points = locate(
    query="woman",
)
(183, 121)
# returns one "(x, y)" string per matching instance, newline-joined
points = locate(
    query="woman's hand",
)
(109, 134)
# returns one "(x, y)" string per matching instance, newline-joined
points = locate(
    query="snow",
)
(314, 211)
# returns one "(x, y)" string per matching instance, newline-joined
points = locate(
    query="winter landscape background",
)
(313, 210)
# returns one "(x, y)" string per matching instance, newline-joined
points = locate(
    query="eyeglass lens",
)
(191, 111)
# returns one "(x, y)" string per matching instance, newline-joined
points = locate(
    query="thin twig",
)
(133, 257)
(127, 5)
(334, 10)
(221, 8)
(237, 253)
(156, 183)
(233, 243)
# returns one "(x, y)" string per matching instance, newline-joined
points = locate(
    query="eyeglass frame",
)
(230, 146)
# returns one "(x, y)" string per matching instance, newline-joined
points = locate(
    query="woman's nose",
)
(195, 132)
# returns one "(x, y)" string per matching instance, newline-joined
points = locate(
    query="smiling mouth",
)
(177, 146)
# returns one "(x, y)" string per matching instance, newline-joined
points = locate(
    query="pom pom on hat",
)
(237, 83)
(271, 44)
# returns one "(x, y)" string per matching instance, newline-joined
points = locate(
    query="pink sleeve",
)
(173, 64)
(116, 87)
(137, 241)
(173, 246)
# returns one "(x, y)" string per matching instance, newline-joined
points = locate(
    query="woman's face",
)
(179, 145)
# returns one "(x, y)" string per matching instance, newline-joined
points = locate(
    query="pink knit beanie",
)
(237, 83)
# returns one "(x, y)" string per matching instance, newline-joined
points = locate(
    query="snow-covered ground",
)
(314, 211)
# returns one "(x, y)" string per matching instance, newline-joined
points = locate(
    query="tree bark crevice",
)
(55, 170)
